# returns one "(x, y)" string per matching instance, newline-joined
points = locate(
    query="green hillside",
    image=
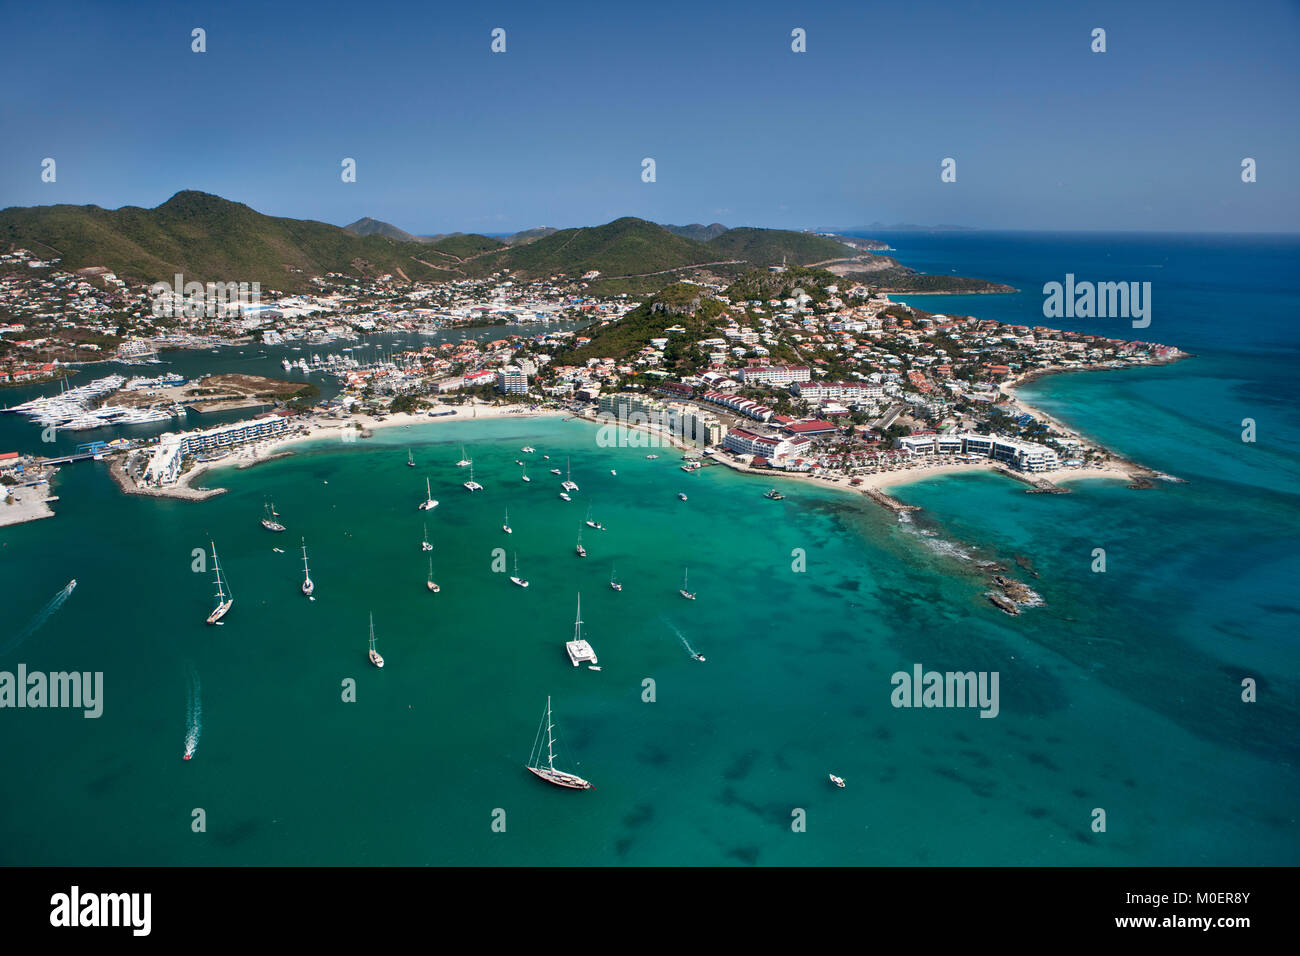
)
(680, 304)
(208, 239)
(766, 247)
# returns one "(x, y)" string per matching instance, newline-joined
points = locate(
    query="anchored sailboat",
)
(224, 597)
(465, 461)
(579, 650)
(524, 476)
(374, 654)
(410, 462)
(472, 485)
(685, 590)
(614, 584)
(547, 770)
(424, 542)
(269, 522)
(307, 585)
(515, 577)
(568, 483)
(580, 551)
(594, 524)
(430, 582)
(428, 504)
(506, 527)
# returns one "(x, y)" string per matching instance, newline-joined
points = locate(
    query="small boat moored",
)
(838, 781)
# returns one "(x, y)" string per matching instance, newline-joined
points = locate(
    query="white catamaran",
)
(374, 654)
(307, 585)
(547, 770)
(224, 597)
(472, 485)
(428, 504)
(568, 483)
(580, 650)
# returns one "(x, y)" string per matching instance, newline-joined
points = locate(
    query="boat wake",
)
(193, 716)
(695, 655)
(43, 615)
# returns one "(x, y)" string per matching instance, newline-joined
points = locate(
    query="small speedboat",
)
(681, 495)
(613, 472)
(555, 471)
(652, 456)
(838, 781)
(278, 550)
(565, 496)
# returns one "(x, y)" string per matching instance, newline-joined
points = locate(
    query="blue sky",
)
(448, 136)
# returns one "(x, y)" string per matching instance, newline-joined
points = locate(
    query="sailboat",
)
(424, 542)
(594, 524)
(472, 485)
(685, 590)
(515, 577)
(375, 658)
(428, 504)
(506, 527)
(579, 650)
(269, 522)
(410, 462)
(568, 483)
(465, 461)
(614, 584)
(580, 551)
(524, 476)
(528, 449)
(430, 582)
(224, 598)
(307, 585)
(547, 771)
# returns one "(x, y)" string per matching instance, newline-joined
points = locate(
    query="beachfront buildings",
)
(1021, 455)
(164, 465)
(838, 391)
(684, 422)
(774, 448)
(512, 380)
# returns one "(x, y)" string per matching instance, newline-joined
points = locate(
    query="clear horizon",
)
(448, 136)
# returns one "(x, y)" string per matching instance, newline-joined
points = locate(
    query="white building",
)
(512, 381)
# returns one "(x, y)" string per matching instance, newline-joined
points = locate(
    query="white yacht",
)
(547, 770)
(465, 460)
(424, 542)
(472, 485)
(580, 651)
(506, 527)
(685, 590)
(307, 586)
(428, 504)
(375, 658)
(224, 597)
(515, 578)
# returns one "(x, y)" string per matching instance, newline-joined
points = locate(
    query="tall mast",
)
(217, 567)
(304, 558)
(550, 737)
(372, 630)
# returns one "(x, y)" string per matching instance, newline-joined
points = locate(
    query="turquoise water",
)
(1121, 693)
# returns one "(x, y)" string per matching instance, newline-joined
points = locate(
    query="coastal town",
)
(792, 373)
